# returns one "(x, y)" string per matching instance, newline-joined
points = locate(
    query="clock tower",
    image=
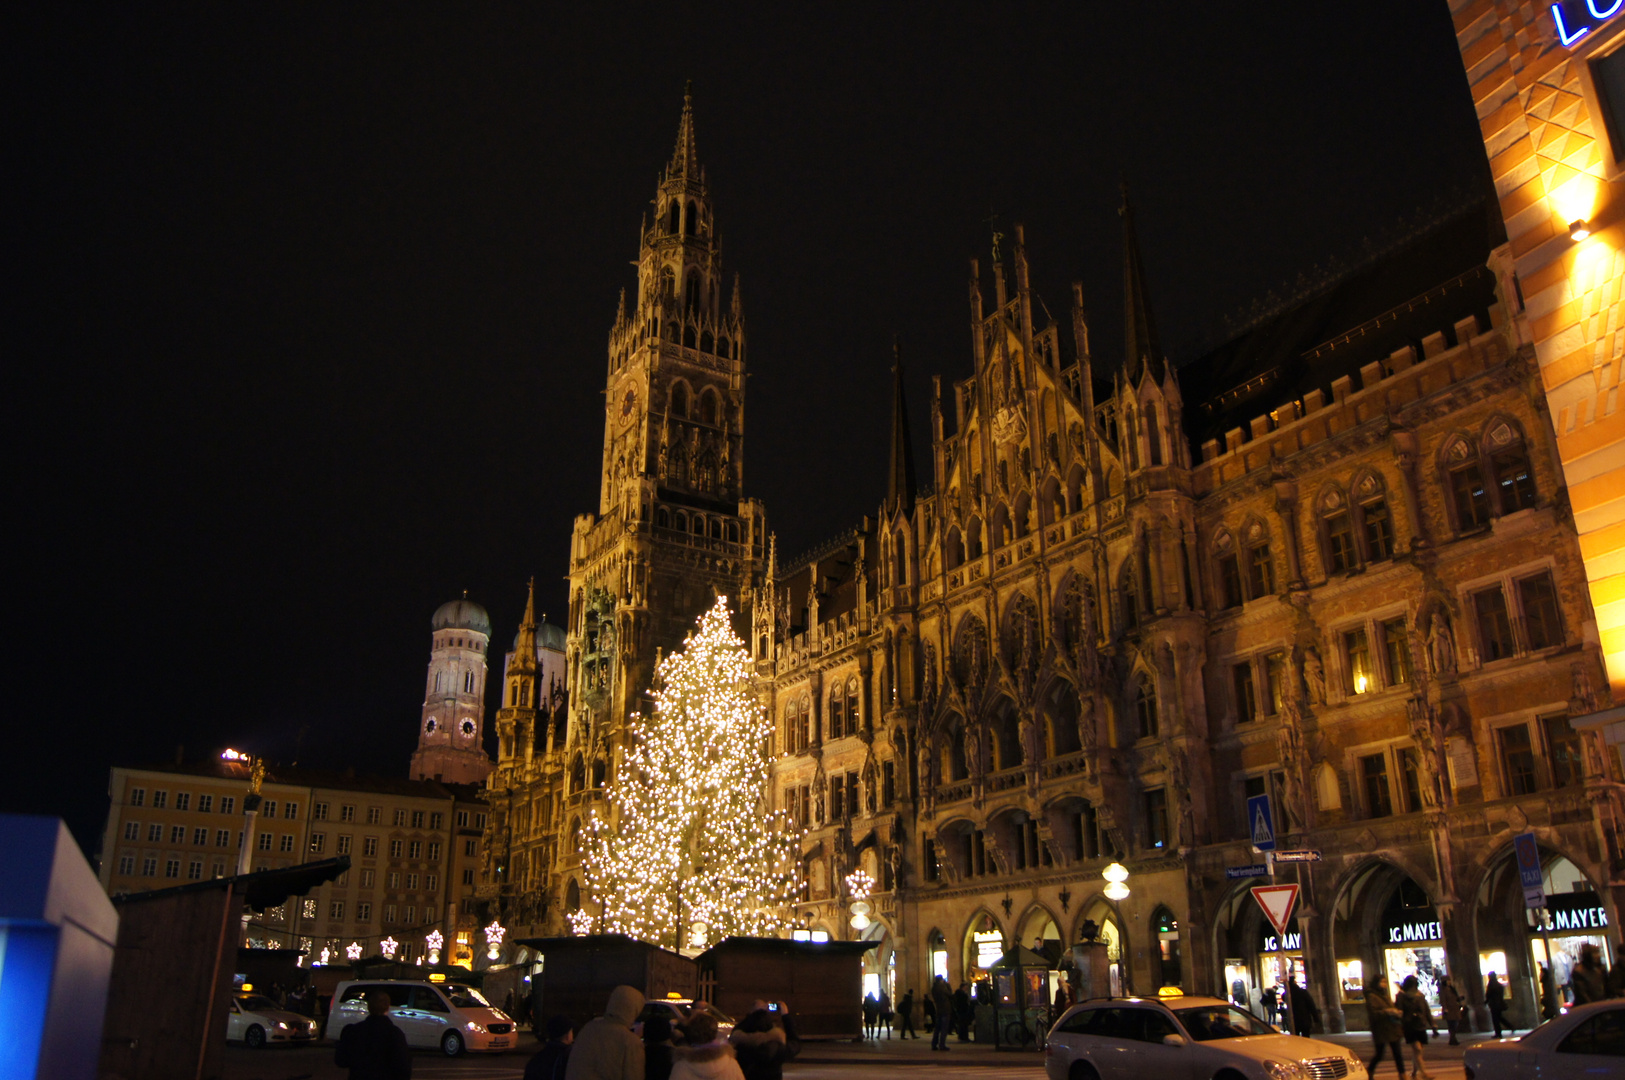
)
(452, 728)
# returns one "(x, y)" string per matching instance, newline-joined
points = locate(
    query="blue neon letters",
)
(1573, 22)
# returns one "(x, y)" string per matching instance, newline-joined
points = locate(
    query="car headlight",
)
(1355, 1064)
(1283, 1070)
(472, 1026)
(281, 1026)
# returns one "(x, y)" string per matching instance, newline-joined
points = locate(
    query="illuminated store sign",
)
(1293, 942)
(1574, 19)
(1405, 933)
(1575, 913)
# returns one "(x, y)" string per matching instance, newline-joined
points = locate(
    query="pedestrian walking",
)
(905, 1017)
(887, 1013)
(553, 1059)
(374, 1048)
(942, 1005)
(1616, 975)
(1386, 1029)
(1305, 1014)
(1268, 1001)
(657, 1047)
(964, 1013)
(1451, 1005)
(1495, 999)
(871, 1011)
(759, 1046)
(1416, 1020)
(606, 1048)
(1548, 993)
(706, 1057)
(1588, 979)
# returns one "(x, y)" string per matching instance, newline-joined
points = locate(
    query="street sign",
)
(1261, 822)
(1277, 902)
(1302, 855)
(1528, 852)
(1255, 870)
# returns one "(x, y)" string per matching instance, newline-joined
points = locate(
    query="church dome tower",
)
(452, 727)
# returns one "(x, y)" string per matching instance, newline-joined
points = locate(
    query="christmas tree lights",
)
(688, 838)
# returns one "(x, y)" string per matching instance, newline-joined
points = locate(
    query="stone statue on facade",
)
(973, 750)
(1441, 645)
(1314, 677)
(1289, 748)
(1179, 781)
(1088, 735)
(1031, 744)
(1424, 726)
(925, 777)
(1582, 696)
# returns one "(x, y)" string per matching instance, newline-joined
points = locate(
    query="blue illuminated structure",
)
(1574, 19)
(57, 932)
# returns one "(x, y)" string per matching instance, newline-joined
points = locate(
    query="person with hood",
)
(706, 1057)
(1304, 1013)
(551, 1061)
(760, 1046)
(1589, 980)
(374, 1048)
(657, 1047)
(905, 1017)
(1450, 1004)
(606, 1048)
(942, 1006)
(1386, 1028)
(1495, 999)
(871, 1016)
(964, 1013)
(1416, 1020)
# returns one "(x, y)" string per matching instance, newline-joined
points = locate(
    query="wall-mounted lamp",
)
(1579, 229)
(1066, 898)
(1116, 875)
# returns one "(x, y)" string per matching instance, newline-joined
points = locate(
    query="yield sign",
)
(1277, 902)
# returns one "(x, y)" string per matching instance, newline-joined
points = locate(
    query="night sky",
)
(313, 304)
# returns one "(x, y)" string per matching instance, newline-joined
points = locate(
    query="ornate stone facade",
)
(1088, 641)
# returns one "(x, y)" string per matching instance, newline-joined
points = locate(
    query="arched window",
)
(1509, 463)
(572, 896)
(1021, 515)
(953, 550)
(1075, 482)
(716, 528)
(854, 711)
(973, 538)
(1153, 436)
(733, 532)
(1376, 525)
(722, 347)
(1469, 500)
(899, 547)
(688, 337)
(692, 220)
(1336, 533)
(663, 518)
(792, 743)
(468, 682)
(1145, 707)
(1001, 526)
(1166, 927)
(958, 768)
(699, 525)
(598, 771)
(707, 342)
(679, 399)
(672, 333)
(837, 711)
(691, 295)
(674, 215)
(709, 407)
(1260, 561)
(1129, 591)
(578, 774)
(1227, 571)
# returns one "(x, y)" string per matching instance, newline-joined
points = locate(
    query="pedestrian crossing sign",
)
(1261, 822)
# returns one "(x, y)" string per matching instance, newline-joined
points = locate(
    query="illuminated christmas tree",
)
(689, 838)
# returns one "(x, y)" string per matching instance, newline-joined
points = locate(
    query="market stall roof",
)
(1019, 956)
(784, 945)
(261, 889)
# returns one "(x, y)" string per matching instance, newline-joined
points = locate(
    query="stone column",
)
(1405, 453)
(1461, 952)
(1286, 505)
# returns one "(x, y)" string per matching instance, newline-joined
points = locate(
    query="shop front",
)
(1557, 931)
(1413, 944)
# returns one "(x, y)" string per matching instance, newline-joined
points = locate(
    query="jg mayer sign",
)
(1574, 19)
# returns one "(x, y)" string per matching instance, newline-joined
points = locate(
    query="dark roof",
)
(1424, 284)
(327, 778)
(261, 889)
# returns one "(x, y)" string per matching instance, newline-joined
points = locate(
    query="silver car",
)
(257, 1021)
(1184, 1038)
(1585, 1043)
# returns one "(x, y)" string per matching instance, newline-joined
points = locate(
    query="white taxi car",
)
(449, 1017)
(1585, 1043)
(255, 1021)
(1184, 1038)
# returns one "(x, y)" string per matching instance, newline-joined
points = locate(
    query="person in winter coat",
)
(905, 1017)
(1267, 1000)
(705, 1057)
(760, 1046)
(657, 1048)
(964, 1013)
(1495, 999)
(374, 1049)
(1416, 1020)
(1548, 992)
(1589, 980)
(1304, 1013)
(1386, 1028)
(606, 1048)
(942, 1010)
(871, 1015)
(551, 1061)
(887, 1013)
(1616, 975)
(1451, 1005)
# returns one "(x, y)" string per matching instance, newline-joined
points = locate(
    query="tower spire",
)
(900, 475)
(685, 160)
(1139, 329)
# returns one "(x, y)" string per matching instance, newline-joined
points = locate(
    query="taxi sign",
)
(1170, 992)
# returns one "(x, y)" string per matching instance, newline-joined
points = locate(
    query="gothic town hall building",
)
(1332, 562)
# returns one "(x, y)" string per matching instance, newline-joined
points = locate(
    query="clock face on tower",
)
(429, 725)
(468, 728)
(629, 404)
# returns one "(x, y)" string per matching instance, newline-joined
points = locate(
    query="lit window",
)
(1357, 651)
(318, 843)
(307, 908)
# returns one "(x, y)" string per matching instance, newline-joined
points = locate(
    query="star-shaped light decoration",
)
(388, 947)
(353, 950)
(859, 884)
(580, 922)
(493, 939)
(434, 940)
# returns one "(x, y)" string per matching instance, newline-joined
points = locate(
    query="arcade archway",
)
(1100, 918)
(1385, 923)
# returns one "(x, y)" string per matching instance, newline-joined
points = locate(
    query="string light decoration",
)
(858, 885)
(493, 939)
(434, 939)
(580, 922)
(353, 950)
(388, 947)
(688, 838)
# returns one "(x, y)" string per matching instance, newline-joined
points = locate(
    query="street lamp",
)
(1115, 874)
